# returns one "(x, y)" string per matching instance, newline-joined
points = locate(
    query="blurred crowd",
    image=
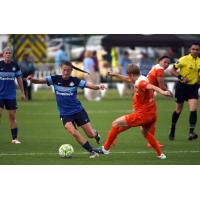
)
(98, 63)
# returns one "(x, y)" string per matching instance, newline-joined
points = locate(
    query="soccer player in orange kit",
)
(156, 74)
(156, 77)
(144, 113)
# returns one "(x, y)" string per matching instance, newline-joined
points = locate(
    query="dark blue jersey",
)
(8, 73)
(66, 93)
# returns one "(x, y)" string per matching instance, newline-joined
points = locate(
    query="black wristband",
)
(180, 77)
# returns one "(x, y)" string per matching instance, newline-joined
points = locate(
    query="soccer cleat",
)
(192, 136)
(162, 156)
(172, 134)
(94, 154)
(15, 141)
(101, 150)
(98, 138)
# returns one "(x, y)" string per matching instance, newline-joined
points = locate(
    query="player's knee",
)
(69, 129)
(179, 110)
(12, 117)
(115, 124)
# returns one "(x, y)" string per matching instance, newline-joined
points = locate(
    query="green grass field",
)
(41, 133)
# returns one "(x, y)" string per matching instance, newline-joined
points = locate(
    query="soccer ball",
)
(66, 151)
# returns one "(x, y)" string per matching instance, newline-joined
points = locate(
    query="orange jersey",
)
(156, 71)
(143, 99)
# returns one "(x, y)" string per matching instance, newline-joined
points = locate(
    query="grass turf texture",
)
(41, 133)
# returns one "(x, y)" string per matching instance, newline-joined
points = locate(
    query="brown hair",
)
(163, 57)
(73, 67)
(133, 69)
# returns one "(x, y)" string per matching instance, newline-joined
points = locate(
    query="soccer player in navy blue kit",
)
(71, 111)
(10, 70)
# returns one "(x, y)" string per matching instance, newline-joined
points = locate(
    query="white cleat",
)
(93, 154)
(15, 141)
(102, 150)
(106, 152)
(162, 156)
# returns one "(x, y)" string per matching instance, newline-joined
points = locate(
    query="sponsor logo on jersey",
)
(71, 84)
(64, 93)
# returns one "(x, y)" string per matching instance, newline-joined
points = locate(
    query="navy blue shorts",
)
(78, 119)
(9, 104)
(183, 92)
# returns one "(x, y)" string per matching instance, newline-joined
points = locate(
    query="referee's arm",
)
(174, 71)
(199, 78)
(180, 77)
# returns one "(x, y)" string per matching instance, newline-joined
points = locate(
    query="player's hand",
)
(167, 93)
(23, 97)
(29, 77)
(102, 87)
(171, 94)
(109, 73)
(185, 80)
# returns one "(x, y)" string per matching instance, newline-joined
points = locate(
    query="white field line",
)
(81, 153)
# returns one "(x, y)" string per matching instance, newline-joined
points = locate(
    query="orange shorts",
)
(141, 119)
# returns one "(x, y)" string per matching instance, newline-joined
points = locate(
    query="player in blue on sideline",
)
(71, 111)
(10, 70)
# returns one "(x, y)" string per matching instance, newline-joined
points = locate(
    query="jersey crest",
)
(71, 84)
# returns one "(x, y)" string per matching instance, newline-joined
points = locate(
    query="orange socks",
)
(112, 135)
(153, 142)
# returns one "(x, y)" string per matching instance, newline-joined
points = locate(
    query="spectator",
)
(27, 68)
(123, 64)
(89, 66)
(60, 58)
(145, 64)
(96, 75)
(114, 61)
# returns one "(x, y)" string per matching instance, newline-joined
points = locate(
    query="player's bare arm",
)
(36, 81)
(161, 83)
(95, 87)
(119, 76)
(21, 87)
(159, 90)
